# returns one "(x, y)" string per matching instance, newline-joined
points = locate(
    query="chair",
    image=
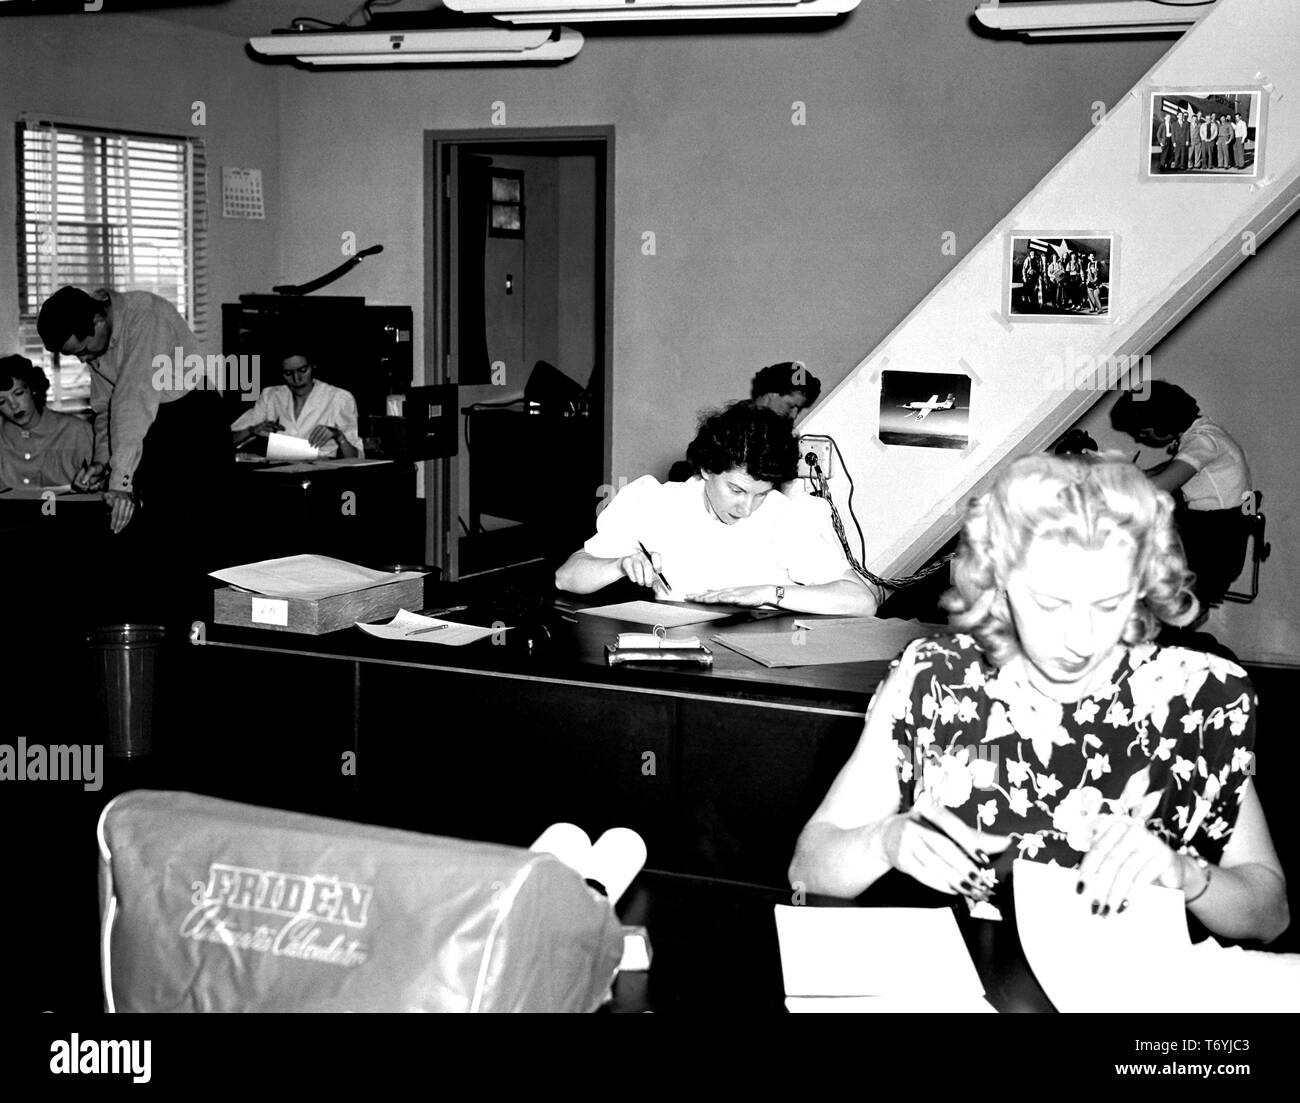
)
(1259, 547)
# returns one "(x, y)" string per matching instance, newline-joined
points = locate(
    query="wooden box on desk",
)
(316, 616)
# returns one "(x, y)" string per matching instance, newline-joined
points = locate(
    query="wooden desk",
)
(718, 769)
(712, 938)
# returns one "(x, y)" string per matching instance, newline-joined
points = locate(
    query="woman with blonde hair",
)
(1049, 726)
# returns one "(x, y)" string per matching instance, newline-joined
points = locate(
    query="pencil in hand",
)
(650, 559)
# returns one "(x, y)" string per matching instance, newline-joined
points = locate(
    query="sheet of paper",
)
(281, 446)
(823, 641)
(656, 612)
(314, 466)
(412, 626)
(916, 954)
(1130, 962)
(887, 1005)
(1232, 979)
(307, 576)
(63, 493)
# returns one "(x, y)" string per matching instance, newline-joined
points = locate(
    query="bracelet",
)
(1205, 871)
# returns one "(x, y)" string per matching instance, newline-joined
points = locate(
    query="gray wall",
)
(773, 241)
(133, 73)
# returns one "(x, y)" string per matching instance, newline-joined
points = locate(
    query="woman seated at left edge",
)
(38, 447)
(724, 536)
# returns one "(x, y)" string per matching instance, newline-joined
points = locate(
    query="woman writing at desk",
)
(724, 535)
(1128, 761)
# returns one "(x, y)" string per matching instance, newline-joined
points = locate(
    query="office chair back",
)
(1260, 548)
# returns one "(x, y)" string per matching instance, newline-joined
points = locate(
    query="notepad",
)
(907, 958)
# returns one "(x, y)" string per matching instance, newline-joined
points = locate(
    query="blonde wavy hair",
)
(1081, 500)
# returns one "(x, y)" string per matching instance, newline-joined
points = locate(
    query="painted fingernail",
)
(1096, 907)
(982, 858)
(1123, 907)
(1105, 910)
(1078, 888)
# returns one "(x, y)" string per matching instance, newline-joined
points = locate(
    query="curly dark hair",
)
(69, 312)
(745, 436)
(1166, 408)
(786, 378)
(18, 369)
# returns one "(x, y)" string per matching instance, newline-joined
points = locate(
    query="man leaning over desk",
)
(157, 425)
(303, 406)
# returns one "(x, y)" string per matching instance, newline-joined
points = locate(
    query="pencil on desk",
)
(432, 628)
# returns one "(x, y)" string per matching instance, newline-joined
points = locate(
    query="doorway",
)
(519, 315)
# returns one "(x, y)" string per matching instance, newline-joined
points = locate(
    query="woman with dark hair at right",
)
(1206, 468)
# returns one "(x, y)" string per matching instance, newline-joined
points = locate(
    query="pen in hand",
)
(978, 857)
(650, 559)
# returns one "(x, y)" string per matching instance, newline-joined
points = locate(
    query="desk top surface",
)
(546, 643)
(709, 936)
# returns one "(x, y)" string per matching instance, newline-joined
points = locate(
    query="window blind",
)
(102, 208)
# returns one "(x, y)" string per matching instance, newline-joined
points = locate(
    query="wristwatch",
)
(780, 594)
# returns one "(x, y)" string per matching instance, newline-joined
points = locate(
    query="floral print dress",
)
(1169, 740)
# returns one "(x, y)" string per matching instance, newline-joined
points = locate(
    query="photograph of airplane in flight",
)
(925, 409)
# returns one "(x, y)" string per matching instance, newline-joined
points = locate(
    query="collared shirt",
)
(1239, 128)
(325, 405)
(127, 386)
(50, 453)
(782, 542)
(1222, 475)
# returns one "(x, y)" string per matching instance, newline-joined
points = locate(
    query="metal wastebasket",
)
(125, 658)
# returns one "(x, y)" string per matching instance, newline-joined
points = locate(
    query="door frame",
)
(441, 505)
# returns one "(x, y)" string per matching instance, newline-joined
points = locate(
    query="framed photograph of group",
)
(1060, 277)
(1209, 133)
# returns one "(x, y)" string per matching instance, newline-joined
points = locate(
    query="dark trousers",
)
(183, 513)
(1214, 541)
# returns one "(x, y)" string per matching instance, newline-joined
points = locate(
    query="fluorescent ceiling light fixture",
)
(440, 47)
(1060, 18)
(611, 11)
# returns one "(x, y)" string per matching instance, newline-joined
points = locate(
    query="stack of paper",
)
(876, 959)
(1141, 960)
(308, 576)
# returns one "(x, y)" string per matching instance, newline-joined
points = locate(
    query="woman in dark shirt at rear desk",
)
(1130, 762)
